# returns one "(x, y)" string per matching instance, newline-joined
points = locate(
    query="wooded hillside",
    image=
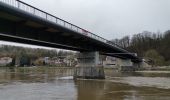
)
(154, 46)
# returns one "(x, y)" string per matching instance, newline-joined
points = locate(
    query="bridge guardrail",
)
(35, 11)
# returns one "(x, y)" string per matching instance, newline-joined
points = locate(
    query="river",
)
(58, 84)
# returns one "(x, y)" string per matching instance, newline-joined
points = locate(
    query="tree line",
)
(25, 56)
(148, 45)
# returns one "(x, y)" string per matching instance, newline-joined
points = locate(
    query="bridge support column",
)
(137, 65)
(141, 65)
(88, 66)
(125, 65)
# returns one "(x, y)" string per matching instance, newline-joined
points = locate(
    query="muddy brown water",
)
(58, 84)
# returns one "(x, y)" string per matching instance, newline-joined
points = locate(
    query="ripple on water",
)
(38, 91)
(158, 82)
(66, 78)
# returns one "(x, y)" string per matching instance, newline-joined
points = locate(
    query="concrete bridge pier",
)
(125, 65)
(141, 65)
(138, 66)
(89, 66)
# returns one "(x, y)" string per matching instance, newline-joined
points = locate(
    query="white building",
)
(109, 62)
(5, 61)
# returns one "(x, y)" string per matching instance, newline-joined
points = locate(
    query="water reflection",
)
(57, 84)
(42, 74)
(89, 90)
(104, 90)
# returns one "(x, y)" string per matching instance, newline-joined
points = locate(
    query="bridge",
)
(23, 23)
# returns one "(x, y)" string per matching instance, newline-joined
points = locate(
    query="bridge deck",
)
(24, 23)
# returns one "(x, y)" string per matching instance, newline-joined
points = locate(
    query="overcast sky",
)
(111, 18)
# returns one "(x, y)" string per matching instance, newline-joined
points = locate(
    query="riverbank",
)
(152, 71)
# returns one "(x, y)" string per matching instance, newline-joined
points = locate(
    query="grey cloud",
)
(111, 18)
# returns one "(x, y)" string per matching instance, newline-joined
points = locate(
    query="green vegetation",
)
(153, 46)
(155, 57)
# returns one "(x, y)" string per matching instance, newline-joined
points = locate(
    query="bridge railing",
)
(35, 11)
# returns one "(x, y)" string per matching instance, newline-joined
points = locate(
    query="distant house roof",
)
(5, 60)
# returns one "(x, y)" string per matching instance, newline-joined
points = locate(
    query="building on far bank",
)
(4, 61)
(60, 61)
(110, 62)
